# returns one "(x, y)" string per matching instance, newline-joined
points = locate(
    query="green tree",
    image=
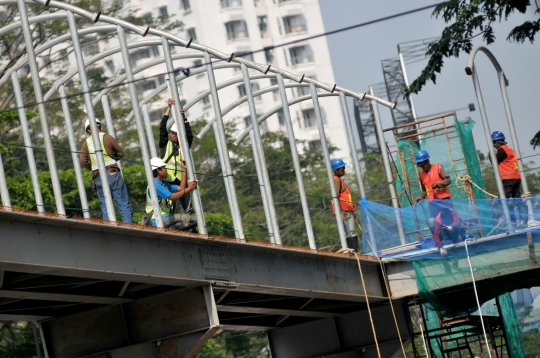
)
(469, 19)
(17, 340)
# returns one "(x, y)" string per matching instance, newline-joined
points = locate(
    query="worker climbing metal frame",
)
(215, 60)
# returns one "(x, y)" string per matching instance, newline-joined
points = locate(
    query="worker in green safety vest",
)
(112, 151)
(171, 153)
(167, 193)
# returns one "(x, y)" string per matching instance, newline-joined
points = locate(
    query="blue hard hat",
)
(422, 156)
(497, 135)
(427, 243)
(338, 163)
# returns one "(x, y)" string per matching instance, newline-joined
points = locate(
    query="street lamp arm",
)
(491, 57)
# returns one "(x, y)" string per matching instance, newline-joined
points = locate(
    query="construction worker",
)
(345, 203)
(171, 153)
(448, 226)
(167, 193)
(112, 151)
(511, 177)
(434, 181)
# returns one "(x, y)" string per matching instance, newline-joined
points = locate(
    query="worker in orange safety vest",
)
(345, 203)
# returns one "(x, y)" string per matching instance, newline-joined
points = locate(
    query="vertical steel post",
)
(296, 161)
(182, 139)
(74, 152)
(91, 116)
(222, 146)
(130, 79)
(515, 142)
(258, 168)
(404, 70)
(4, 191)
(34, 71)
(27, 142)
(388, 169)
(149, 133)
(329, 171)
(36, 342)
(43, 342)
(356, 164)
(491, 149)
(258, 154)
(108, 119)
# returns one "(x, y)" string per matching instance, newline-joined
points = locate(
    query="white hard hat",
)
(174, 127)
(156, 163)
(87, 123)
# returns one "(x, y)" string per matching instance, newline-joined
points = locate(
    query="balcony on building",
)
(301, 55)
(226, 4)
(236, 30)
(295, 24)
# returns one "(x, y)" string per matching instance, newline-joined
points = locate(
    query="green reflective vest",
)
(173, 164)
(93, 161)
(164, 205)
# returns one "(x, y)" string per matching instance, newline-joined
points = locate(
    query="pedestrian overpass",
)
(105, 289)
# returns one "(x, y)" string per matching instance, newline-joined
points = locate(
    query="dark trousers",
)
(512, 192)
(184, 200)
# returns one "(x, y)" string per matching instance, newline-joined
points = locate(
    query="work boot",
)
(352, 243)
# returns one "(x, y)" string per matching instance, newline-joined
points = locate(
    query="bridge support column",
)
(181, 321)
(347, 336)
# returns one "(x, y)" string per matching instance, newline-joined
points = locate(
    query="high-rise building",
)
(242, 27)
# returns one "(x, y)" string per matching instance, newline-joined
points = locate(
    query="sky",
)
(356, 58)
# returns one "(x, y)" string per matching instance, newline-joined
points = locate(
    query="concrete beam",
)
(64, 247)
(273, 311)
(185, 346)
(21, 317)
(29, 295)
(117, 327)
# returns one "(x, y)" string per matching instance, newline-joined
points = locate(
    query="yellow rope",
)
(466, 186)
(525, 196)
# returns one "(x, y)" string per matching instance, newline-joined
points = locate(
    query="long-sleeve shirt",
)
(114, 150)
(164, 135)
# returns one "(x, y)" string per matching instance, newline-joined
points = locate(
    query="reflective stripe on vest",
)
(174, 164)
(164, 205)
(431, 177)
(345, 198)
(509, 167)
(93, 161)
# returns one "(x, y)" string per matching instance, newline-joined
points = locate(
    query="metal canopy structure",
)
(365, 121)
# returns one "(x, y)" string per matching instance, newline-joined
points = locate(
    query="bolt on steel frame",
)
(214, 60)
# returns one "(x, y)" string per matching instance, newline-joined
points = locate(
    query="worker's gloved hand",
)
(448, 228)
(419, 199)
(434, 185)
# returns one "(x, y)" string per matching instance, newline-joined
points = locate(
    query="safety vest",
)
(164, 205)
(456, 221)
(433, 176)
(345, 199)
(93, 161)
(509, 167)
(173, 164)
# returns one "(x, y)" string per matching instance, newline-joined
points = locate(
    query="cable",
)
(188, 69)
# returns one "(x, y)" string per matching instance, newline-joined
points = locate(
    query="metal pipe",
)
(329, 171)
(74, 152)
(108, 119)
(149, 133)
(258, 155)
(406, 79)
(182, 139)
(43, 342)
(4, 191)
(175, 119)
(356, 163)
(296, 162)
(222, 146)
(36, 342)
(57, 190)
(98, 150)
(140, 128)
(493, 156)
(27, 142)
(388, 169)
(259, 171)
(515, 142)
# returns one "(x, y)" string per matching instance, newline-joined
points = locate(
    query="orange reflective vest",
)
(345, 198)
(431, 177)
(509, 167)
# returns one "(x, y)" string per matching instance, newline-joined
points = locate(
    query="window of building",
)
(163, 11)
(263, 25)
(63, 55)
(147, 17)
(191, 34)
(206, 100)
(230, 3)
(275, 94)
(302, 91)
(269, 55)
(315, 144)
(294, 24)
(281, 119)
(139, 55)
(155, 51)
(258, 3)
(149, 85)
(236, 30)
(161, 80)
(184, 4)
(301, 54)
(246, 55)
(242, 89)
(89, 48)
(309, 118)
(262, 126)
(110, 65)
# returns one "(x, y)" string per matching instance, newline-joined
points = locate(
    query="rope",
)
(525, 196)
(466, 186)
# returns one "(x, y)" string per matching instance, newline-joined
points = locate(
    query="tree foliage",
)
(469, 19)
